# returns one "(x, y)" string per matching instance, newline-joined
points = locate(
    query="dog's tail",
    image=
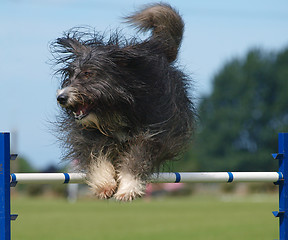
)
(166, 24)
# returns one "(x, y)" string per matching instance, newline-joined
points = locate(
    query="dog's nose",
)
(62, 99)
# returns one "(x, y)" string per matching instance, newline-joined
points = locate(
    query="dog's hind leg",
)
(101, 177)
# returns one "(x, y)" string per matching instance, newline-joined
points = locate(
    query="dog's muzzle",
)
(67, 100)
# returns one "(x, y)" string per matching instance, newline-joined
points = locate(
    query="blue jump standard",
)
(5, 218)
(282, 157)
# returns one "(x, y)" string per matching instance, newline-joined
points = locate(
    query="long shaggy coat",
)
(125, 106)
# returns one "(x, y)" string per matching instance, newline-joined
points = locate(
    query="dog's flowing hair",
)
(125, 106)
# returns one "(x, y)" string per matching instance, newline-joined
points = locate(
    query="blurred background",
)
(236, 52)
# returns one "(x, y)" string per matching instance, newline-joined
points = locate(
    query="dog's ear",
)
(72, 45)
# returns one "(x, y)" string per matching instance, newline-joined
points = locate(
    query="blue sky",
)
(215, 32)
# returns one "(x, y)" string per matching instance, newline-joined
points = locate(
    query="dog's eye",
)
(87, 74)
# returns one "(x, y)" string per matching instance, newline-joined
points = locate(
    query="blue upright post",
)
(282, 156)
(5, 219)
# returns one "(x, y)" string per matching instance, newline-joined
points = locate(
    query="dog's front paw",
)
(129, 188)
(101, 179)
(104, 190)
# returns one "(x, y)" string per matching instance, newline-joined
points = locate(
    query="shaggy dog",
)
(125, 107)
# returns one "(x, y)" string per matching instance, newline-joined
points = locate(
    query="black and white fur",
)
(125, 107)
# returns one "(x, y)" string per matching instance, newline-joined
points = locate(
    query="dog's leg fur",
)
(135, 167)
(130, 186)
(101, 176)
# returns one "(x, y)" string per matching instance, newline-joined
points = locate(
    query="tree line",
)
(240, 119)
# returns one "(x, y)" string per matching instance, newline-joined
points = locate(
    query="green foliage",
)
(24, 165)
(240, 120)
(21, 165)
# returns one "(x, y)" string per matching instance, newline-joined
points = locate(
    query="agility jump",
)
(278, 178)
(176, 177)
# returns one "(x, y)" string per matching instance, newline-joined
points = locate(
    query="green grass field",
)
(174, 218)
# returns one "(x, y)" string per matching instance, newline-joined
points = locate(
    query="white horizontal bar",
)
(218, 177)
(43, 178)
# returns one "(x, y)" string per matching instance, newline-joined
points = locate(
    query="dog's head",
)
(94, 81)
